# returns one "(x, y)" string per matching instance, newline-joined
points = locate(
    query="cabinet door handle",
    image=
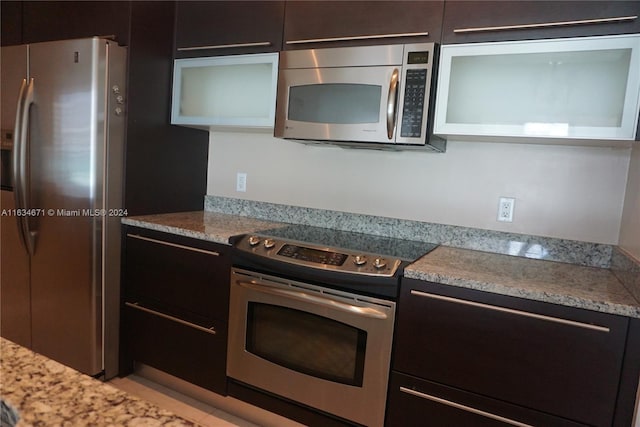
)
(463, 407)
(369, 37)
(512, 311)
(546, 24)
(173, 245)
(137, 306)
(224, 46)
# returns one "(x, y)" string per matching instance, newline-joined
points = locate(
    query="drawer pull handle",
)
(137, 306)
(546, 24)
(224, 46)
(368, 37)
(463, 407)
(512, 311)
(173, 245)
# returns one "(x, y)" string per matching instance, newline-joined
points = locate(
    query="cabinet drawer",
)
(184, 277)
(416, 402)
(555, 359)
(182, 350)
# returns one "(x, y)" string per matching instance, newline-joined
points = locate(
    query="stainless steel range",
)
(311, 317)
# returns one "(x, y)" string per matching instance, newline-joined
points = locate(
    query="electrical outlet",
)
(505, 209)
(241, 181)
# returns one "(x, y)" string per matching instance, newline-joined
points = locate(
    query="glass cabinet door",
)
(235, 90)
(586, 88)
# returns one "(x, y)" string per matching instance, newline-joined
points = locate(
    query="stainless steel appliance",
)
(311, 317)
(368, 96)
(63, 108)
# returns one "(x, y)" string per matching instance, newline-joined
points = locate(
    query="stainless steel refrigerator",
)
(63, 124)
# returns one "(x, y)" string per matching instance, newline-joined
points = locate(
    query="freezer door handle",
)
(21, 164)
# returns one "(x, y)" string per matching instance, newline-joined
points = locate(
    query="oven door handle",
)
(324, 302)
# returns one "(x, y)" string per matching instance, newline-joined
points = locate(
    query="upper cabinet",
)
(11, 28)
(211, 28)
(583, 88)
(313, 24)
(59, 20)
(485, 21)
(41, 21)
(237, 91)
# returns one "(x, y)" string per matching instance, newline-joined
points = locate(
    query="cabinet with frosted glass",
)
(579, 91)
(236, 91)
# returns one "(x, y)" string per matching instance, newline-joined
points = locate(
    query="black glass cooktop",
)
(406, 250)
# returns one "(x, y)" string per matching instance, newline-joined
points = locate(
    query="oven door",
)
(338, 104)
(326, 349)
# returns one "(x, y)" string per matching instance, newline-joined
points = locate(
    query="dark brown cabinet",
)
(312, 24)
(39, 21)
(210, 28)
(420, 403)
(551, 359)
(485, 21)
(59, 20)
(11, 28)
(175, 293)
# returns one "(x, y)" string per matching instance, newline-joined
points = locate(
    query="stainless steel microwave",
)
(368, 96)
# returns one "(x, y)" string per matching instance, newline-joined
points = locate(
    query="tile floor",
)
(178, 403)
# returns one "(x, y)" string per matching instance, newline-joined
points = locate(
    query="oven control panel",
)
(315, 256)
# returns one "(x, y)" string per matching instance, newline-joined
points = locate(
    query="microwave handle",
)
(392, 103)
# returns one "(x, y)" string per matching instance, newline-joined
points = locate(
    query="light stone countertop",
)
(203, 225)
(590, 288)
(47, 393)
(566, 284)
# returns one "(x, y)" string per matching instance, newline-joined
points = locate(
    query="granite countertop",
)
(47, 393)
(590, 288)
(566, 284)
(210, 226)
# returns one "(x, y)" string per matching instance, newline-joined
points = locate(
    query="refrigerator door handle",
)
(21, 164)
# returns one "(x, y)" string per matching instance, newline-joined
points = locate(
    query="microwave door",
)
(338, 104)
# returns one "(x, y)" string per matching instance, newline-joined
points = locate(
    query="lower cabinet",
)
(475, 358)
(191, 352)
(175, 304)
(420, 403)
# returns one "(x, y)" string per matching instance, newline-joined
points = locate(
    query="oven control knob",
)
(269, 243)
(379, 263)
(254, 240)
(360, 260)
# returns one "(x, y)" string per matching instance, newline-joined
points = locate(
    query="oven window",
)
(307, 343)
(337, 103)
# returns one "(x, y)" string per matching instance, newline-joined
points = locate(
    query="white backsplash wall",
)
(565, 192)
(630, 229)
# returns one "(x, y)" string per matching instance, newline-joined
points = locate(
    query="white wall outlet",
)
(505, 209)
(241, 181)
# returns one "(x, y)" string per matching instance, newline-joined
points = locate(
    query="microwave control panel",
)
(413, 105)
(414, 101)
